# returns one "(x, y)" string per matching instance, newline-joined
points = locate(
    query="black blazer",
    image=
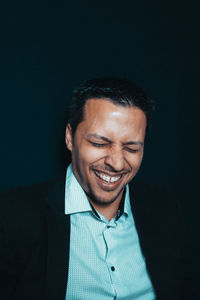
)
(35, 241)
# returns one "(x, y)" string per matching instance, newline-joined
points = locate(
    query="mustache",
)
(110, 169)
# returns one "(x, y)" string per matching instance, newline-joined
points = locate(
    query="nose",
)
(115, 160)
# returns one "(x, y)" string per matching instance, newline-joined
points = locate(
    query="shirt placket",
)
(110, 264)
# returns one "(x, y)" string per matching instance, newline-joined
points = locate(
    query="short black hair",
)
(120, 91)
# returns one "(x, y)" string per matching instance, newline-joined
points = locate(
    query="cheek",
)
(91, 155)
(136, 161)
(87, 156)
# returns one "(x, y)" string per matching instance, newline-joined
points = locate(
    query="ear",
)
(68, 137)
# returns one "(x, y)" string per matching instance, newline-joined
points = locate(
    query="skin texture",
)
(108, 142)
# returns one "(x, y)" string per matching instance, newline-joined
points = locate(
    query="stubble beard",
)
(101, 201)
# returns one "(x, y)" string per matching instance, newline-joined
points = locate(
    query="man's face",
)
(107, 149)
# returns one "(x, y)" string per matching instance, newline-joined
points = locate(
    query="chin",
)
(102, 200)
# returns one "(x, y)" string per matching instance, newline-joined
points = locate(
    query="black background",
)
(48, 48)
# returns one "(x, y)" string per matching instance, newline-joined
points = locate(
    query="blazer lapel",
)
(58, 226)
(159, 252)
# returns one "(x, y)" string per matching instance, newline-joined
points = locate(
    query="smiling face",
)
(107, 149)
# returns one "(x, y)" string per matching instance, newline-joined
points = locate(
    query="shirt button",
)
(113, 268)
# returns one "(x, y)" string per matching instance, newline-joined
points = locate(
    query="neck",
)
(109, 211)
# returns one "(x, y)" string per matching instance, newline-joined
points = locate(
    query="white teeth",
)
(113, 179)
(107, 178)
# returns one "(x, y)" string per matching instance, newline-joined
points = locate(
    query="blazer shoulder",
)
(148, 191)
(160, 202)
(24, 200)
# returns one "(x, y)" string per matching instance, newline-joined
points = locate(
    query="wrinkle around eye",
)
(132, 150)
(97, 144)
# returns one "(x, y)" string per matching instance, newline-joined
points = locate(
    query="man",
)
(95, 234)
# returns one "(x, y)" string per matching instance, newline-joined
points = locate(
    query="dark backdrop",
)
(48, 48)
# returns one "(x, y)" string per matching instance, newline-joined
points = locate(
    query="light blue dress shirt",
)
(105, 260)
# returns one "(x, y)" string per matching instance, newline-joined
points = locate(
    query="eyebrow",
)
(100, 137)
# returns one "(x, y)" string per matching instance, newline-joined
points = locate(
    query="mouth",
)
(108, 180)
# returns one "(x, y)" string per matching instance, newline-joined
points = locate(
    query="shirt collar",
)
(76, 200)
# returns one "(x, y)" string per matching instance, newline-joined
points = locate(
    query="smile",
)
(106, 178)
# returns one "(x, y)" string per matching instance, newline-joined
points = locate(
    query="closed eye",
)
(97, 144)
(131, 150)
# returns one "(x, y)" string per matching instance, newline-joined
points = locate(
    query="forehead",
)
(101, 109)
(102, 114)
